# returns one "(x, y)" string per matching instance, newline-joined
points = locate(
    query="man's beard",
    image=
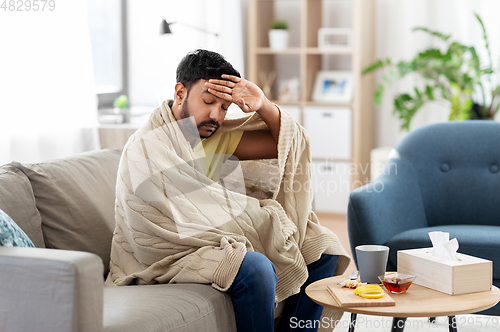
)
(191, 127)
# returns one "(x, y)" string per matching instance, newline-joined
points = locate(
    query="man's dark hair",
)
(203, 64)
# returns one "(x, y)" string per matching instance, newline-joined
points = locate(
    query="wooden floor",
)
(338, 224)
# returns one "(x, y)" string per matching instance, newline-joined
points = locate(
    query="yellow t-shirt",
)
(212, 152)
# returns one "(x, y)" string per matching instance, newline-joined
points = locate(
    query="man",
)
(176, 221)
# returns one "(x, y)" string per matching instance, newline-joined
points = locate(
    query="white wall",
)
(153, 58)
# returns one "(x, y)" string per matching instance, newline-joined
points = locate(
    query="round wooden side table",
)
(418, 301)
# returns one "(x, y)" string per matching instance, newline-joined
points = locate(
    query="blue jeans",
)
(253, 295)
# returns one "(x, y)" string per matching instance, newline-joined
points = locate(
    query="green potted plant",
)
(457, 75)
(278, 35)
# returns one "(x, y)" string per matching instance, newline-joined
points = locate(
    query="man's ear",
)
(180, 93)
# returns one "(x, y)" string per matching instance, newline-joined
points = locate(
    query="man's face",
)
(208, 110)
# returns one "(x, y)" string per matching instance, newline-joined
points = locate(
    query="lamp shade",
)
(165, 27)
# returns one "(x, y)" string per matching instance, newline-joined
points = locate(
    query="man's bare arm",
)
(258, 144)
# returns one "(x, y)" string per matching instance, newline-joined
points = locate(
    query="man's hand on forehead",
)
(247, 95)
(223, 88)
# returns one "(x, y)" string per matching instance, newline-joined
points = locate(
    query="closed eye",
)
(211, 102)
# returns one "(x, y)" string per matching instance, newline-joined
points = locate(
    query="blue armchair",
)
(439, 177)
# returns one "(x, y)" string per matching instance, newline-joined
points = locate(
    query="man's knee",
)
(258, 268)
(329, 260)
(324, 267)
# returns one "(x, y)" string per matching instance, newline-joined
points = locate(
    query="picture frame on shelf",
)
(333, 86)
(334, 38)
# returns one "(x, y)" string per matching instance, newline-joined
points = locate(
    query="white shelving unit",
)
(341, 134)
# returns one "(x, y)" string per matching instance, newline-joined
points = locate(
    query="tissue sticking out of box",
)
(442, 246)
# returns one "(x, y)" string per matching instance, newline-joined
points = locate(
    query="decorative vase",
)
(278, 39)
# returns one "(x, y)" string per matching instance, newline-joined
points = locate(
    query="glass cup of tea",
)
(397, 283)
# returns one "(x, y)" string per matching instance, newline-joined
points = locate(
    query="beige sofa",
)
(68, 205)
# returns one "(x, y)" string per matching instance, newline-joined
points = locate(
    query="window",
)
(107, 25)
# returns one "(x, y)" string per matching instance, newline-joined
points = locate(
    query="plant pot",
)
(124, 112)
(278, 39)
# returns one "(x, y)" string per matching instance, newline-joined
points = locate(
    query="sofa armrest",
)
(385, 207)
(50, 290)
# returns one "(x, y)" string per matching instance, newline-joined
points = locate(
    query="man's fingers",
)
(220, 94)
(222, 82)
(231, 77)
(220, 88)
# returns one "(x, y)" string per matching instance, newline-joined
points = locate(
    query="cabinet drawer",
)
(331, 183)
(329, 130)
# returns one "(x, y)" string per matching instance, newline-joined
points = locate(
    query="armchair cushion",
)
(75, 197)
(11, 235)
(18, 201)
(475, 240)
(384, 208)
(457, 167)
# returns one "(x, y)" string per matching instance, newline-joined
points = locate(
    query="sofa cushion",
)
(11, 235)
(75, 197)
(474, 240)
(18, 201)
(167, 307)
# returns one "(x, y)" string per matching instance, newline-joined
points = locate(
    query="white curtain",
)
(48, 107)
(394, 39)
(153, 58)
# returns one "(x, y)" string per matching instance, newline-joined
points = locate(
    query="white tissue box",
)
(467, 275)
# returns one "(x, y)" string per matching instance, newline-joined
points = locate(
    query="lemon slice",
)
(369, 291)
(365, 288)
(372, 295)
